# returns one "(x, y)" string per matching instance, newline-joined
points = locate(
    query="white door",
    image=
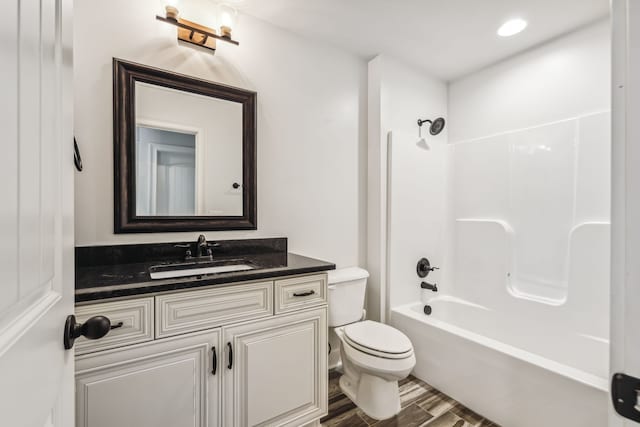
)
(625, 219)
(36, 213)
(275, 371)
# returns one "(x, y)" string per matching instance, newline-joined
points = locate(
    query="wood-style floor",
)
(422, 405)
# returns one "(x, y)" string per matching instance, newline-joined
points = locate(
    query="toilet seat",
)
(377, 339)
(377, 365)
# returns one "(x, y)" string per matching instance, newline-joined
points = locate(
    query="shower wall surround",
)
(535, 193)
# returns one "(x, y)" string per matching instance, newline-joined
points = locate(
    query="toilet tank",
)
(346, 295)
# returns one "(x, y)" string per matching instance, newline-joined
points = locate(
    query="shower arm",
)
(420, 123)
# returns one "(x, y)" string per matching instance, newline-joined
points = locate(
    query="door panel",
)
(49, 184)
(29, 147)
(165, 383)
(36, 213)
(279, 372)
(8, 159)
(292, 363)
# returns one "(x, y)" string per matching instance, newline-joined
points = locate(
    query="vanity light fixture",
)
(512, 27)
(200, 35)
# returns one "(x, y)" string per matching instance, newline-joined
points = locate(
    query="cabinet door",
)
(275, 371)
(166, 383)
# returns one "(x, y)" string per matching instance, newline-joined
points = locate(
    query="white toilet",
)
(375, 356)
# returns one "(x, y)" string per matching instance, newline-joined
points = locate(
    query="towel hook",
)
(77, 159)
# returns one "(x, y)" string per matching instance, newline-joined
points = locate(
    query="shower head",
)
(435, 126)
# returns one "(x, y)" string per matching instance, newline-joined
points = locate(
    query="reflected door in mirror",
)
(188, 153)
(165, 172)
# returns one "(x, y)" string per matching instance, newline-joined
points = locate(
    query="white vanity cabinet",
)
(219, 356)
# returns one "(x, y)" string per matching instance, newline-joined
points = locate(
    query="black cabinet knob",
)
(93, 329)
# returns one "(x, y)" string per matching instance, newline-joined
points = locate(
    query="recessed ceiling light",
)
(512, 27)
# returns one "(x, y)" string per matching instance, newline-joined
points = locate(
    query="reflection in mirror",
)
(188, 153)
(165, 172)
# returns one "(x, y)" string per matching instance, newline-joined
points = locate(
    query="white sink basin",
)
(197, 271)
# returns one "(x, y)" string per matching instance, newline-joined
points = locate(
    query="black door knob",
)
(93, 329)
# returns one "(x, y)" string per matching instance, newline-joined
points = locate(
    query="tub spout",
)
(426, 285)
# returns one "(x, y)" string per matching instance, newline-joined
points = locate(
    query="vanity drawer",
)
(136, 316)
(191, 311)
(300, 292)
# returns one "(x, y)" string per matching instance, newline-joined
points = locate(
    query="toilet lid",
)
(378, 337)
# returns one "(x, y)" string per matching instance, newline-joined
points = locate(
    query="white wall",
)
(311, 125)
(399, 96)
(562, 79)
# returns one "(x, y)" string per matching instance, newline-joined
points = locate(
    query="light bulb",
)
(512, 27)
(227, 19)
(171, 9)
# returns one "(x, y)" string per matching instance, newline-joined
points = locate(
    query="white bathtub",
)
(537, 380)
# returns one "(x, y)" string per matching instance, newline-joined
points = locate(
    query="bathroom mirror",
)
(185, 152)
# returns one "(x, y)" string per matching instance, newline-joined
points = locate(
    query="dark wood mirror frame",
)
(125, 75)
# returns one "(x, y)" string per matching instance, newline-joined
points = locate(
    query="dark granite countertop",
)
(104, 272)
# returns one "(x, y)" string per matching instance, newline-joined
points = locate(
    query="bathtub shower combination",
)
(519, 327)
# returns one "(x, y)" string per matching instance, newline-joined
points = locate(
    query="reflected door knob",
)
(93, 329)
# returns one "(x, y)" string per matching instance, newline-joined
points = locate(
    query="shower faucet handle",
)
(424, 267)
